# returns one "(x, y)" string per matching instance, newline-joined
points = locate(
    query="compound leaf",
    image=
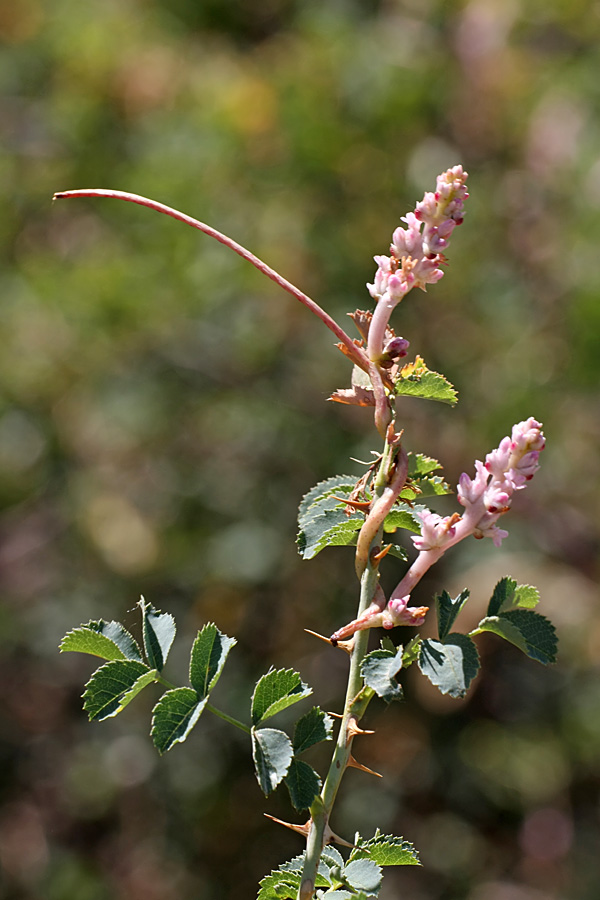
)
(114, 685)
(174, 716)
(209, 655)
(272, 753)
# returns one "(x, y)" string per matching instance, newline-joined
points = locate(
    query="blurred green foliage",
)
(162, 413)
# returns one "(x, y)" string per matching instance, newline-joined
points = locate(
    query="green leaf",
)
(379, 669)
(448, 609)
(332, 857)
(303, 783)
(339, 484)
(411, 651)
(404, 516)
(114, 685)
(209, 655)
(508, 595)
(416, 380)
(420, 465)
(174, 716)
(272, 753)
(338, 895)
(503, 594)
(451, 664)
(283, 884)
(387, 850)
(329, 528)
(279, 886)
(109, 640)
(527, 630)
(159, 631)
(312, 728)
(275, 691)
(397, 552)
(363, 875)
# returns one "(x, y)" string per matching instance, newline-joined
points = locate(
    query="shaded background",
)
(163, 411)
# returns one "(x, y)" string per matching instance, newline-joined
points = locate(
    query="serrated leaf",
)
(448, 609)
(296, 865)
(404, 517)
(338, 895)
(387, 850)
(332, 857)
(113, 686)
(109, 640)
(529, 631)
(272, 753)
(158, 629)
(451, 664)
(303, 783)
(420, 465)
(338, 484)
(279, 886)
(379, 669)
(312, 728)
(208, 657)
(174, 716)
(363, 875)
(328, 528)
(275, 691)
(503, 593)
(433, 486)
(416, 380)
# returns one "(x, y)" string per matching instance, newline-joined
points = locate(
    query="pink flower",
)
(436, 531)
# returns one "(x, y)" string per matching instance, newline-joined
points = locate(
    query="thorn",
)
(352, 730)
(347, 646)
(362, 505)
(320, 636)
(330, 836)
(377, 557)
(352, 763)
(335, 715)
(300, 829)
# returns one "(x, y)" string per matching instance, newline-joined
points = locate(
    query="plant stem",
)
(210, 708)
(355, 353)
(226, 718)
(354, 706)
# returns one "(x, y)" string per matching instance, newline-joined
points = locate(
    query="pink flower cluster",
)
(416, 252)
(485, 498)
(506, 470)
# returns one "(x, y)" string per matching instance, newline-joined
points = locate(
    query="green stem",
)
(211, 708)
(354, 707)
(226, 718)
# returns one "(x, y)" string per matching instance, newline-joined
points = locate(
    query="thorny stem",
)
(389, 481)
(355, 353)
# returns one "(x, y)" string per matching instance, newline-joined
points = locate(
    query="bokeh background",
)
(163, 411)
